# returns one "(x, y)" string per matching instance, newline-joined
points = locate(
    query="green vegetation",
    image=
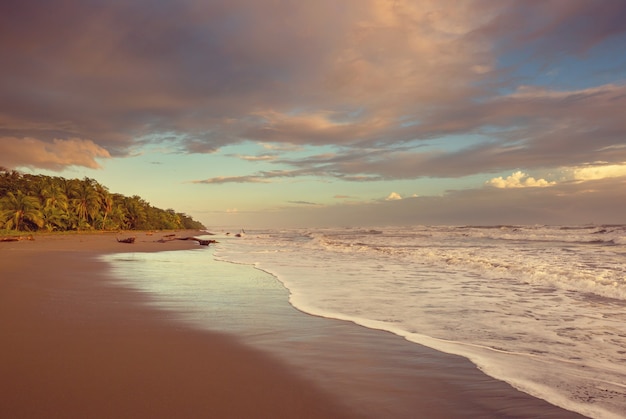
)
(45, 203)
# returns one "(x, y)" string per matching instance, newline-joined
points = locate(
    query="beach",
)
(77, 344)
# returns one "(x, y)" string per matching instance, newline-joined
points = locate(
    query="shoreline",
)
(375, 372)
(83, 346)
(76, 345)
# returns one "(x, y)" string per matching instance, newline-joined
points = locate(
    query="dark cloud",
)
(356, 74)
(556, 26)
(116, 71)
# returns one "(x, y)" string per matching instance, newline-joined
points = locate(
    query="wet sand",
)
(77, 345)
(74, 346)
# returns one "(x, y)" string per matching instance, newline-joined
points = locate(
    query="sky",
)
(279, 113)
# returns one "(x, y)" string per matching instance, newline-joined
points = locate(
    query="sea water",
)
(542, 308)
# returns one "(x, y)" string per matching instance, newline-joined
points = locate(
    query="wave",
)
(539, 307)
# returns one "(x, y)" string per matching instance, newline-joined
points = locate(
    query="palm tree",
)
(20, 211)
(106, 202)
(68, 186)
(173, 219)
(117, 218)
(30, 202)
(86, 202)
(55, 219)
(54, 203)
(54, 197)
(135, 212)
(10, 180)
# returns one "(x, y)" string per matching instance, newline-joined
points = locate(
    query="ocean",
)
(539, 307)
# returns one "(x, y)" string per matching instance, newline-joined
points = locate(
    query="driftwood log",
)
(201, 242)
(126, 240)
(9, 239)
(17, 238)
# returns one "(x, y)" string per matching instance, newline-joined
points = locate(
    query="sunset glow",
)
(359, 112)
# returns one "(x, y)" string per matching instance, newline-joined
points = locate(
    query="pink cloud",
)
(353, 73)
(55, 155)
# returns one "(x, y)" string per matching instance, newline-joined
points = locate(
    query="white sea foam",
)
(543, 308)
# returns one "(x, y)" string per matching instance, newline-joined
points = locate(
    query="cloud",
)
(567, 203)
(231, 179)
(359, 74)
(368, 165)
(519, 180)
(593, 172)
(280, 147)
(303, 203)
(213, 73)
(260, 177)
(55, 155)
(264, 157)
(393, 196)
(572, 27)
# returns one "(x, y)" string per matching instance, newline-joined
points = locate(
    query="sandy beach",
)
(77, 345)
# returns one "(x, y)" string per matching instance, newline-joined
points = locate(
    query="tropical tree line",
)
(46, 203)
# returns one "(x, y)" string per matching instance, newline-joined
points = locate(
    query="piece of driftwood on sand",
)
(201, 242)
(9, 239)
(126, 240)
(16, 238)
(171, 237)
